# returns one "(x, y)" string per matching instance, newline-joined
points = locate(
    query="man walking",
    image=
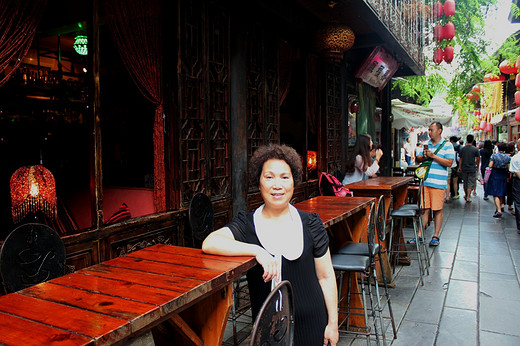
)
(468, 165)
(441, 154)
(514, 168)
(453, 179)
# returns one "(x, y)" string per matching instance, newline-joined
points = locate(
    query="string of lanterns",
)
(443, 34)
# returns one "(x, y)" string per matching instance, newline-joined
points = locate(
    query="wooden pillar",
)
(386, 131)
(239, 116)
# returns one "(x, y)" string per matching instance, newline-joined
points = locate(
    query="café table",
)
(395, 193)
(345, 219)
(119, 301)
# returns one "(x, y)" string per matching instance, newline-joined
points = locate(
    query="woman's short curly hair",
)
(278, 152)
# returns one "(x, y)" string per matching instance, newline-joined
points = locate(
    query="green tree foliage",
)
(472, 62)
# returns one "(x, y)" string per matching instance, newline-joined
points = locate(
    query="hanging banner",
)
(377, 69)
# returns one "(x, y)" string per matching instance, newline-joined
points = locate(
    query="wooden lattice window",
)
(333, 117)
(204, 100)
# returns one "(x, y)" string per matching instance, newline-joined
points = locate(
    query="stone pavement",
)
(472, 295)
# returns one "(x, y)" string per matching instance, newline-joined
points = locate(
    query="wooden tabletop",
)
(111, 301)
(380, 183)
(332, 209)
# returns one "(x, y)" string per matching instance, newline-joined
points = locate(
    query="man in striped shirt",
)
(436, 180)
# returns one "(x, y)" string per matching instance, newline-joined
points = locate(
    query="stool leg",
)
(378, 304)
(425, 248)
(417, 247)
(387, 294)
(365, 309)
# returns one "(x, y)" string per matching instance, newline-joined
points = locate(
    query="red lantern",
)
(449, 8)
(448, 54)
(507, 67)
(517, 114)
(483, 124)
(476, 89)
(438, 56)
(517, 81)
(517, 65)
(438, 32)
(354, 107)
(493, 77)
(437, 10)
(470, 96)
(489, 127)
(517, 98)
(449, 31)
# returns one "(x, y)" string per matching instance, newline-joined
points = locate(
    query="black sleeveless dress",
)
(309, 304)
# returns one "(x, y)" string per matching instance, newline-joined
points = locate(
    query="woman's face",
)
(276, 184)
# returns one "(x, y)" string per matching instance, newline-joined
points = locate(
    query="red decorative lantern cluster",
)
(506, 67)
(446, 32)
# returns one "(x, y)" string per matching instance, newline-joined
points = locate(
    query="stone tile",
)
(499, 316)
(462, 295)
(496, 264)
(437, 279)
(426, 307)
(457, 327)
(469, 240)
(515, 254)
(415, 333)
(492, 237)
(466, 253)
(500, 288)
(465, 270)
(442, 259)
(493, 248)
(514, 241)
(489, 338)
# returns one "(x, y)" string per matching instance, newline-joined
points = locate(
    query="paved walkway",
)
(472, 295)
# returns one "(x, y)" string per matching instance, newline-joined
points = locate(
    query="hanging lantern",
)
(517, 81)
(80, 44)
(438, 32)
(449, 31)
(517, 114)
(354, 107)
(438, 56)
(449, 8)
(489, 127)
(517, 64)
(517, 98)
(490, 77)
(437, 10)
(334, 40)
(32, 189)
(476, 89)
(448, 54)
(483, 125)
(507, 67)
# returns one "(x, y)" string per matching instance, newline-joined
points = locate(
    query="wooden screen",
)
(333, 117)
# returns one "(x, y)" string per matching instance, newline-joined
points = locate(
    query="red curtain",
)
(18, 22)
(136, 27)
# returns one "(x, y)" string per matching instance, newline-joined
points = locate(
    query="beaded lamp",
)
(32, 189)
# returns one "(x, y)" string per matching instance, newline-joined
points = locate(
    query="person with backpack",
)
(360, 165)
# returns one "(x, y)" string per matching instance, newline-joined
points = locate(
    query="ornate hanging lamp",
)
(33, 189)
(333, 40)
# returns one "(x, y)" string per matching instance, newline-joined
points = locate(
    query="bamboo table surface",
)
(116, 300)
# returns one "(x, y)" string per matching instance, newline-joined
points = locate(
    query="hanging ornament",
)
(517, 81)
(483, 125)
(438, 32)
(448, 54)
(438, 56)
(517, 64)
(489, 127)
(449, 8)
(517, 114)
(449, 31)
(437, 10)
(507, 67)
(517, 98)
(490, 77)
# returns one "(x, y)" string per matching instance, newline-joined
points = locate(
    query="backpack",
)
(329, 185)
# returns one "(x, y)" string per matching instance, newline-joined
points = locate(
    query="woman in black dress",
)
(289, 244)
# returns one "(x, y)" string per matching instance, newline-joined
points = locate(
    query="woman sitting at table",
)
(289, 244)
(360, 165)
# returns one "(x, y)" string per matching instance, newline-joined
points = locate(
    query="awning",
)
(408, 115)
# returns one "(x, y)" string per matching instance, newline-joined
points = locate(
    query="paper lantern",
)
(449, 8)
(507, 67)
(489, 127)
(517, 81)
(449, 31)
(334, 40)
(517, 114)
(32, 189)
(448, 54)
(438, 32)
(517, 64)
(438, 56)
(476, 89)
(490, 77)
(437, 10)
(483, 125)
(517, 98)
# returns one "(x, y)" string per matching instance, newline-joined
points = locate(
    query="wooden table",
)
(162, 286)
(395, 192)
(345, 219)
